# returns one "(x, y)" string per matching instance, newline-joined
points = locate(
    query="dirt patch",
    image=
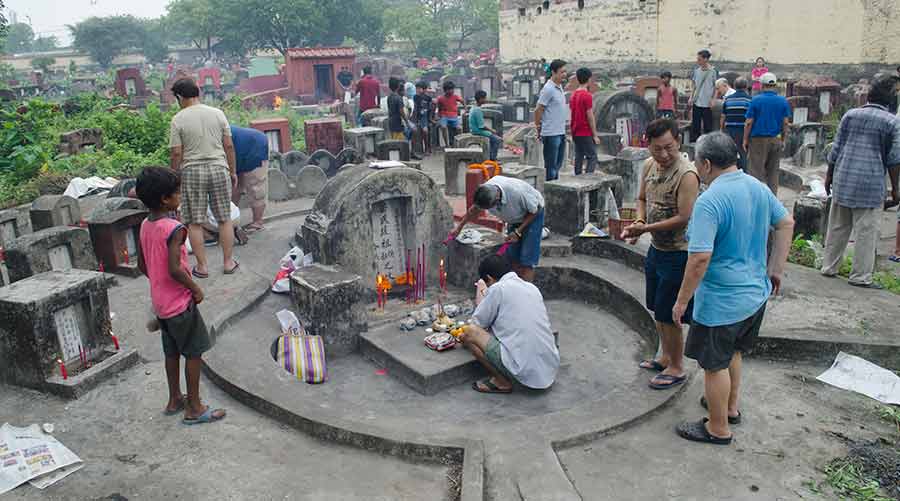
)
(878, 460)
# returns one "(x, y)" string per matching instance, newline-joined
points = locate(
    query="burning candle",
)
(62, 369)
(125, 255)
(442, 277)
(408, 282)
(115, 340)
(424, 272)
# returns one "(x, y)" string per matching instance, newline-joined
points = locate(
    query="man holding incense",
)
(521, 207)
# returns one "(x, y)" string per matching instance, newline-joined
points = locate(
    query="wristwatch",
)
(518, 234)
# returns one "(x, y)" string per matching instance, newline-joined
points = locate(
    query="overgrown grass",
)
(803, 252)
(848, 481)
(890, 413)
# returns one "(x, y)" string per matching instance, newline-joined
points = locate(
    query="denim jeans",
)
(495, 145)
(585, 150)
(554, 154)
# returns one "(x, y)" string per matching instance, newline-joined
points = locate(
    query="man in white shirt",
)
(510, 332)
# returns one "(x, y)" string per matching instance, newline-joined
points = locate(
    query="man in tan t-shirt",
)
(202, 151)
(669, 187)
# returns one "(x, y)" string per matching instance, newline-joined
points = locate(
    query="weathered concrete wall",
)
(786, 32)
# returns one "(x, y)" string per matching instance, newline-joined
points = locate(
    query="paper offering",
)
(29, 454)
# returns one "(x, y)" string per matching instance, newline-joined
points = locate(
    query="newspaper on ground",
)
(30, 455)
(856, 374)
(591, 231)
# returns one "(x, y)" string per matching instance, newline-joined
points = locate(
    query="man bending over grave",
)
(510, 332)
(522, 208)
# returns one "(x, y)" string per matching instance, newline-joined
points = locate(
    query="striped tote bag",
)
(303, 356)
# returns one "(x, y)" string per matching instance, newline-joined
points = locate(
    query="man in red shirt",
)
(584, 125)
(369, 91)
(448, 111)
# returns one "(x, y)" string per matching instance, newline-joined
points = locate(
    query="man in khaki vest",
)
(669, 188)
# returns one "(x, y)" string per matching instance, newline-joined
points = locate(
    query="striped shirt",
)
(866, 145)
(735, 109)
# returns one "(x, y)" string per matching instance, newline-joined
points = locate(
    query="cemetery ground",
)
(600, 433)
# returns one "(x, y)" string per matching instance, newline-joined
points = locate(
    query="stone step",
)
(556, 247)
(406, 358)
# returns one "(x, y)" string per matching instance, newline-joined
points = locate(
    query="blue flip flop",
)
(673, 381)
(894, 258)
(206, 417)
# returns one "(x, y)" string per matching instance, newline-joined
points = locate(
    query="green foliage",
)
(43, 63)
(44, 44)
(240, 116)
(7, 72)
(155, 39)
(73, 68)
(19, 38)
(847, 480)
(802, 251)
(197, 21)
(890, 281)
(104, 38)
(890, 413)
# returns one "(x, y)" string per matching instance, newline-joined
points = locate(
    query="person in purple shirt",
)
(251, 150)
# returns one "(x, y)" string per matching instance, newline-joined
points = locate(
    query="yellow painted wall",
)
(783, 31)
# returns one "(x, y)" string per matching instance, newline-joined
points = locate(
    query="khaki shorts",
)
(256, 185)
(202, 186)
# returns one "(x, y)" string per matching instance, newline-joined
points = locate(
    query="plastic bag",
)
(294, 259)
(612, 210)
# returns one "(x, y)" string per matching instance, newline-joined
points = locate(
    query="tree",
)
(43, 63)
(414, 22)
(198, 21)
(44, 44)
(473, 17)
(73, 68)
(155, 39)
(369, 30)
(19, 38)
(104, 38)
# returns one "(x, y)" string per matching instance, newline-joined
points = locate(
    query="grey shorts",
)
(493, 356)
(713, 347)
(185, 334)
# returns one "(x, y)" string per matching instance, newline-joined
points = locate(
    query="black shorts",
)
(185, 334)
(663, 273)
(713, 347)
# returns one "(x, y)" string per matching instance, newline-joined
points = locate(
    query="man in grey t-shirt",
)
(550, 119)
(702, 94)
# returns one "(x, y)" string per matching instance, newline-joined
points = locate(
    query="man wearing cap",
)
(768, 119)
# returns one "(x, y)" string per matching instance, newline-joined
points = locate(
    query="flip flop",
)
(673, 381)
(651, 365)
(198, 274)
(207, 417)
(251, 228)
(894, 258)
(696, 432)
(491, 387)
(731, 419)
(233, 270)
(178, 409)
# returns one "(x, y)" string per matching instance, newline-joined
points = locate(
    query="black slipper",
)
(652, 365)
(491, 387)
(672, 381)
(696, 431)
(731, 419)
(198, 274)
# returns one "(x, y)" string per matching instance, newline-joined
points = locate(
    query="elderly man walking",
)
(766, 128)
(729, 279)
(202, 150)
(550, 119)
(867, 146)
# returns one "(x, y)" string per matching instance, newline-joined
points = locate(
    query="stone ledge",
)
(79, 384)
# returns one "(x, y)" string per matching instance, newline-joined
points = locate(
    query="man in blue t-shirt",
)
(734, 115)
(729, 278)
(251, 151)
(766, 128)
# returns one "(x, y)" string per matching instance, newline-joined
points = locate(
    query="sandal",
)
(894, 258)
(670, 381)
(731, 419)
(208, 416)
(491, 387)
(253, 228)
(233, 270)
(652, 365)
(198, 274)
(696, 432)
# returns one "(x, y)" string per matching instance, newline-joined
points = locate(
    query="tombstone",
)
(488, 79)
(433, 79)
(493, 119)
(277, 130)
(123, 188)
(624, 113)
(116, 237)
(811, 216)
(369, 115)
(393, 150)
(324, 134)
(210, 78)
(824, 94)
(456, 164)
(806, 142)
(348, 156)
(56, 248)
(629, 166)
(310, 180)
(48, 211)
(112, 204)
(610, 143)
(573, 201)
(292, 162)
(363, 139)
(280, 186)
(13, 224)
(73, 142)
(533, 150)
(364, 220)
(53, 317)
(535, 176)
(324, 160)
(331, 303)
(275, 159)
(472, 141)
(380, 122)
(129, 82)
(648, 88)
(805, 109)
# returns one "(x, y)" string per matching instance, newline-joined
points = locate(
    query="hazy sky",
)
(50, 17)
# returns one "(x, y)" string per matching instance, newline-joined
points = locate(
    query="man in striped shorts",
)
(202, 151)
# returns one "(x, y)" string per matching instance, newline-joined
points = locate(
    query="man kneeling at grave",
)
(521, 207)
(510, 332)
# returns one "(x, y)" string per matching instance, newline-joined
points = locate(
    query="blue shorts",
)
(527, 251)
(664, 272)
(452, 122)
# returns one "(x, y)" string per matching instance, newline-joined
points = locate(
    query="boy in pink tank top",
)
(666, 97)
(174, 294)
